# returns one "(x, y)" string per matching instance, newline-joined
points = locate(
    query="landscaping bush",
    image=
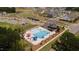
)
(68, 42)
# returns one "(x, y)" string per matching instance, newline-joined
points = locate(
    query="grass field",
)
(7, 25)
(28, 12)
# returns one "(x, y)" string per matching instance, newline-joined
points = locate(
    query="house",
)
(51, 25)
(71, 16)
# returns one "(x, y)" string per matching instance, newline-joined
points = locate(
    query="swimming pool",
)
(37, 34)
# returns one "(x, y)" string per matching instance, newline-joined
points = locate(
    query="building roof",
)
(51, 24)
(70, 16)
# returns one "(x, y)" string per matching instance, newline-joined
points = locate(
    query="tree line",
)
(8, 9)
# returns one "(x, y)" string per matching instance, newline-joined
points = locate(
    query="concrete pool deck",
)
(40, 39)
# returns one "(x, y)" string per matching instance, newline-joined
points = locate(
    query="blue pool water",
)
(39, 33)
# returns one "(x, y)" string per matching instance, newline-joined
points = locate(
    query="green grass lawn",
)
(14, 26)
(26, 45)
(29, 13)
(7, 25)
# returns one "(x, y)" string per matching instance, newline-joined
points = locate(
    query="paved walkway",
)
(52, 39)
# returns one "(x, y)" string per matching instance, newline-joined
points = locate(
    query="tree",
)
(8, 9)
(68, 41)
(73, 8)
(9, 40)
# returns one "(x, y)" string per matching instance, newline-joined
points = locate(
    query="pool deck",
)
(39, 41)
(51, 40)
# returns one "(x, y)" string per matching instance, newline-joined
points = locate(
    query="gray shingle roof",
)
(70, 16)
